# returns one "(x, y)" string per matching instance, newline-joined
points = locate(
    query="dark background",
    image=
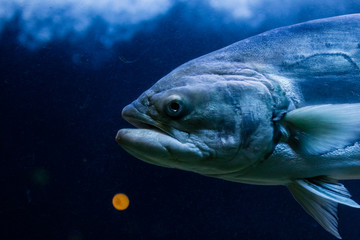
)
(60, 165)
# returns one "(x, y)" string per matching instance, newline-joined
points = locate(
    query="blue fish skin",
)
(315, 62)
(320, 57)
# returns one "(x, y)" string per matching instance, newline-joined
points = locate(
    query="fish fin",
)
(320, 197)
(320, 129)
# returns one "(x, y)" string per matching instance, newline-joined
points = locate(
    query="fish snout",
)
(129, 112)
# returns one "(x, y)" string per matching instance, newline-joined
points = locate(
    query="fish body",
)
(279, 108)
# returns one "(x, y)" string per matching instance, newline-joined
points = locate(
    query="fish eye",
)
(175, 107)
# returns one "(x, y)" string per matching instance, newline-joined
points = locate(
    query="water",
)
(61, 97)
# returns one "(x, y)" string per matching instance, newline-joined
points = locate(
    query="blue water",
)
(61, 105)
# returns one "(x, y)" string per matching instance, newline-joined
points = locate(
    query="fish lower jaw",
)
(157, 147)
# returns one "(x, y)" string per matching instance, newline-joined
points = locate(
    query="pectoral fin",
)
(320, 197)
(323, 128)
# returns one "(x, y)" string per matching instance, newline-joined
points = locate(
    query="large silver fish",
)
(279, 108)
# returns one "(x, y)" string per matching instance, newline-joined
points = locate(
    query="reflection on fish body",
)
(279, 108)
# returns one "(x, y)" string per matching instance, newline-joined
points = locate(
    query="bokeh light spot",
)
(120, 201)
(41, 177)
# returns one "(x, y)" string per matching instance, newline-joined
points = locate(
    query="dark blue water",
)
(60, 165)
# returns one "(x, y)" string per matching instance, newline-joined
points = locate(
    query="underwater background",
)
(67, 68)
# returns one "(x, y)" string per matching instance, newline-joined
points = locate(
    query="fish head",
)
(201, 121)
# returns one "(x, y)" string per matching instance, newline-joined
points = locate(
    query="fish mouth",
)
(147, 141)
(140, 120)
(152, 143)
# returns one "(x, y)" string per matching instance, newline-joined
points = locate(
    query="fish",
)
(278, 108)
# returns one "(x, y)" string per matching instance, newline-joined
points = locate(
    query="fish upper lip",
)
(140, 120)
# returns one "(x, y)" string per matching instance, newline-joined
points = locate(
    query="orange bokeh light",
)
(120, 201)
